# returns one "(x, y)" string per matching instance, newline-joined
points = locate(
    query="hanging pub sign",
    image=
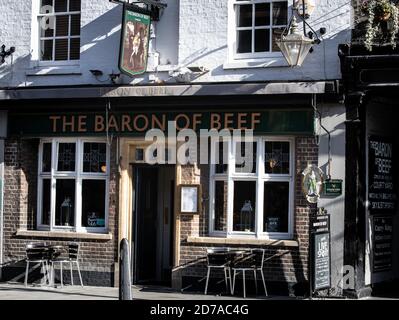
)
(381, 172)
(135, 38)
(312, 183)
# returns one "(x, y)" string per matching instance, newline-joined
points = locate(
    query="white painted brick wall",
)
(190, 32)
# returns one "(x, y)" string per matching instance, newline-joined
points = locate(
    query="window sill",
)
(53, 71)
(242, 241)
(64, 235)
(255, 63)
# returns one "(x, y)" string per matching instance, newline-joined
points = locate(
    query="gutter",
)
(1, 203)
(3, 135)
(194, 89)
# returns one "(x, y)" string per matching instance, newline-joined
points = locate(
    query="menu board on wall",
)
(381, 184)
(321, 261)
(382, 243)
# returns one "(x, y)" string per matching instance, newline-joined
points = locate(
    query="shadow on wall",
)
(280, 279)
(99, 50)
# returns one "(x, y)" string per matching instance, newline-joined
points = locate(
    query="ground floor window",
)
(257, 200)
(73, 185)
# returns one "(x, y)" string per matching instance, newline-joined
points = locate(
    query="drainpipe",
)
(3, 133)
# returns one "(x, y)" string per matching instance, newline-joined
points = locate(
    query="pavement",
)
(11, 291)
(17, 291)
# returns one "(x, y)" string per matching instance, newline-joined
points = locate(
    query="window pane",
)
(46, 50)
(46, 200)
(75, 24)
(45, 6)
(65, 202)
(66, 157)
(48, 31)
(244, 41)
(245, 15)
(75, 49)
(276, 34)
(62, 26)
(74, 5)
(245, 157)
(221, 148)
(93, 203)
(262, 14)
(61, 5)
(95, 157)
(46, 161)
(244, 206)
(277, 157)
(61, 49)
(275, 209)
(220, 206)
(280, 13)
(262, 40)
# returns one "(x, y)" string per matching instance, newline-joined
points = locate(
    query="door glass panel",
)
(244, 206)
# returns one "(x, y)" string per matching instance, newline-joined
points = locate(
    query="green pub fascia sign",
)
(284, 122)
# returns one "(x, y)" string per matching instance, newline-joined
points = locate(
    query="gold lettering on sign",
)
(126, 119)
(228, 121)
(255, 120)
(54, 120)
(82, 124)
(161, 124)
(113, 124)
(66, 124)
(135, 123)
(186, 118)
(197, 121)
(242, 121)
(99, 125)
(215, 121)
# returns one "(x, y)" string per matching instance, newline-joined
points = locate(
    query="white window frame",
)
(79, 176)
(255, 59)
(36, 38)
(260, 178)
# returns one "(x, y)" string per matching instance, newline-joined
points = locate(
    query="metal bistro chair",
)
(218, 259)
(252, 262)
(37, 253)
(73, 258)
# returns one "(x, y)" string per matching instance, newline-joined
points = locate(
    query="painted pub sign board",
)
(134, 42)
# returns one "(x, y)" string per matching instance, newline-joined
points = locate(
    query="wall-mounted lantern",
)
(295, 45)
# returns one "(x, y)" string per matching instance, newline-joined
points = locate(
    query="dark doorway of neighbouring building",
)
(153, 224)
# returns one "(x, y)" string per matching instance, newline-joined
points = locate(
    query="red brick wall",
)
(97, 257)
(290, 264)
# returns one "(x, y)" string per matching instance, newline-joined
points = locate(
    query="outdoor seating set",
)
(236, 261)
(48, 256)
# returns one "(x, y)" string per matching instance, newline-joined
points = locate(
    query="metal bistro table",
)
(54, 251)
(224, 258)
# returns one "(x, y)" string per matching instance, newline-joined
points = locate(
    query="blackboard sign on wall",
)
(381, 185)
(382, 243)
(321, 261)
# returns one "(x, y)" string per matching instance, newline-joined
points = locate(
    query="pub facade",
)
(75, 166)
